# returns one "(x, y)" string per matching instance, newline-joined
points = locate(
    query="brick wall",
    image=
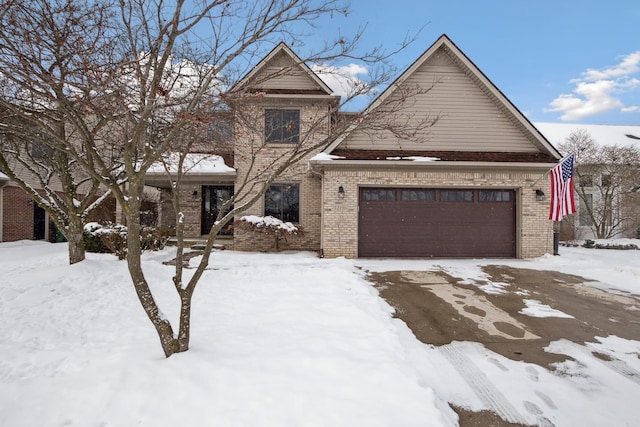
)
(254, 160)
(17, 219)
(340, 215)
(18, 213)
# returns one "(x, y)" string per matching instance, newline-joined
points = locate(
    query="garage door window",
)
(456, 196)
(419, 195)
(494, 196)
(378, 194)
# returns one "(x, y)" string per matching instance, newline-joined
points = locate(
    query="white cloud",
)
(346, 80)
(600, 90)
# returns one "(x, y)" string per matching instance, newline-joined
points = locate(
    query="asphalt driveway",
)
(439, 309)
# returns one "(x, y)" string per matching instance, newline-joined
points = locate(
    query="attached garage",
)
(440, 222)
(456, 171)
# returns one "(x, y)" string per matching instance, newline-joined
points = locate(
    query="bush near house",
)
(112, 238)
(592, 244)
(271, 226)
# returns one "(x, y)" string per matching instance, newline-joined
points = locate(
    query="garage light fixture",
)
(539, 195)
(341, 192)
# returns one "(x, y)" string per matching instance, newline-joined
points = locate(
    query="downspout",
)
(321, 175)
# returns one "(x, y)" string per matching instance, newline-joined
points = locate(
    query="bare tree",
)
(606, 176)
(161, 76)
(49, 52)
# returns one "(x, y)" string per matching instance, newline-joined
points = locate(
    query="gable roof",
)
(295, 63)
(479, 79)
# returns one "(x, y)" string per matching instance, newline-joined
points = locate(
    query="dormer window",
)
(281, 126)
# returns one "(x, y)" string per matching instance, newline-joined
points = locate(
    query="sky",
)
(558, 61)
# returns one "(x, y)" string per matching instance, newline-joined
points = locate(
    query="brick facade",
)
(17, 215)
(534, 233)
(506, 153)
(250, 167)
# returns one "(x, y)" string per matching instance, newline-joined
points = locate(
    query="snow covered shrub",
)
(112, 238)
(592, 244)
(152, 239)
(270, 226)
(107, 238)
(92, 238)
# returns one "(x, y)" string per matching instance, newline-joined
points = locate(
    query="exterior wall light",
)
(341, 192)
(539, 195)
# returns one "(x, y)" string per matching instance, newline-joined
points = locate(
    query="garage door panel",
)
(435, 228)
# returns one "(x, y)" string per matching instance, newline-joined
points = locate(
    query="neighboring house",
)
(615, 204)
(20, 217)
(466, 187)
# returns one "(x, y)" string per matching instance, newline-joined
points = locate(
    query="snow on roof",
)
(415, 158)
(325, 156)
(557, 133)
(193, 163)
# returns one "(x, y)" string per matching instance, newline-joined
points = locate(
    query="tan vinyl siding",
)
(469, 119)
(277, 75)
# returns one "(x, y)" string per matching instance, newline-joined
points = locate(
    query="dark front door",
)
(39, 222)
(213, 197)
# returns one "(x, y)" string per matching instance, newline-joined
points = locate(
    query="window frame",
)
(457, 199)
(379, 195)
(498, 196)
(586, 204)
(415, 194)
(274, 133)
(293, 217)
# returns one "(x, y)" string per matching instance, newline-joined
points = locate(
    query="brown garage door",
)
(410, 222)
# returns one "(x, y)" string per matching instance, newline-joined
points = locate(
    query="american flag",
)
(562, 196)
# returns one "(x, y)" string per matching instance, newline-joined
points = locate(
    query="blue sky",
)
(557, 61)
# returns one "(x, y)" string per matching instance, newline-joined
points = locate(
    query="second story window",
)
(282, 126)
(39, 150)
(586, 180)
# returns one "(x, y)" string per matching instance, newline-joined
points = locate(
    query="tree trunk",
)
(134, 252)
(184, 334)
(76, 242)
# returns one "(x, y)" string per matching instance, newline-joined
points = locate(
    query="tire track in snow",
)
(481, 385)
(610, 361)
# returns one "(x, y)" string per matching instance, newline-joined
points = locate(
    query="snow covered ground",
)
(279, 340)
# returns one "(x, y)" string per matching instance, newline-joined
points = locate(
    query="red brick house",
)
(20, 218)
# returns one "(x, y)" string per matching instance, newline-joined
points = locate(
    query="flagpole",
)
(550, 169)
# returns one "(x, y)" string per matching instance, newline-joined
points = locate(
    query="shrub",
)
(592, 244)
(112, 238)
(107, 238)
(92, 238)
(152, 239)
(270, 226)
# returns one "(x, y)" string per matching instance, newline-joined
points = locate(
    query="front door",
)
(39, 223)
(213, 197)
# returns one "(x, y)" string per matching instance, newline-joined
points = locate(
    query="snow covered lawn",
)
(277, 340)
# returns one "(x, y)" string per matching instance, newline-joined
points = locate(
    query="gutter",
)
(163, 180)
(437, 164)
